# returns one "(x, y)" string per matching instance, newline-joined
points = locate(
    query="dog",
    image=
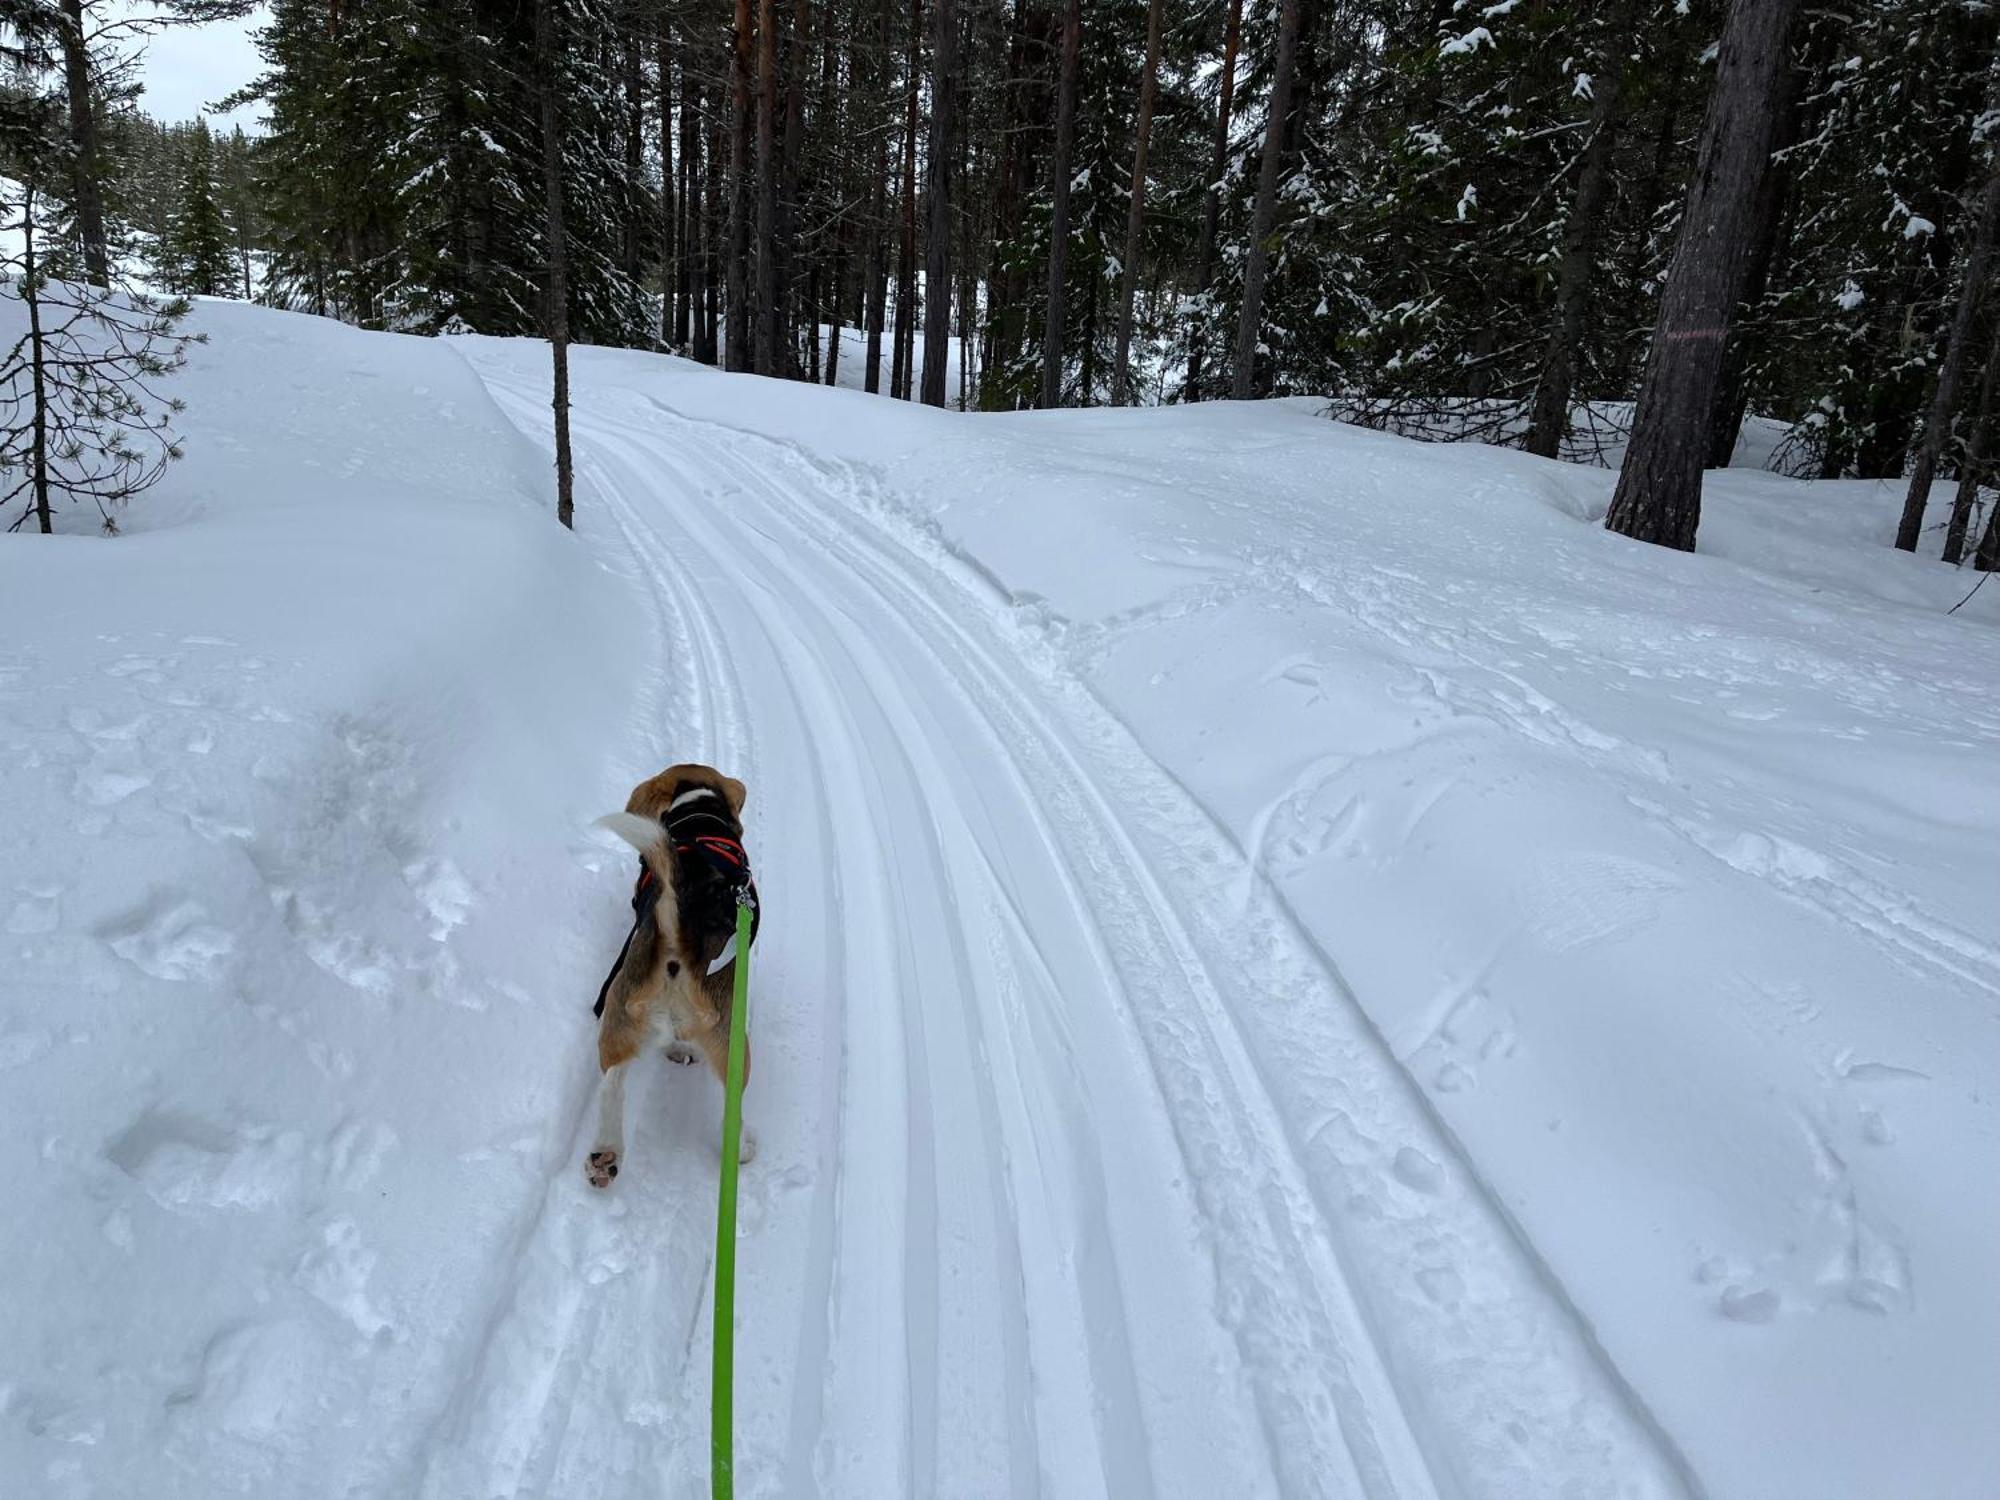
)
(687, 825)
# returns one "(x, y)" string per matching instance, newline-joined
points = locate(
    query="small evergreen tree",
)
(81, 413)
(197, 243)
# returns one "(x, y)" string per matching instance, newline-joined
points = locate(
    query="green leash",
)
(722, 1459)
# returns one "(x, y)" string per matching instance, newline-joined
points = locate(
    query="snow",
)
(1295, 963)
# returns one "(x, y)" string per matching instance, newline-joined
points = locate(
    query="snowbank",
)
(289, 966)
(1531, 923)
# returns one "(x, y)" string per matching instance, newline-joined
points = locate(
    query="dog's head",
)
(651, 799)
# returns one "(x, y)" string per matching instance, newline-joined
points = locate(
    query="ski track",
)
(1081, 1170)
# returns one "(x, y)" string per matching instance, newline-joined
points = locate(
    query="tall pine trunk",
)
(1059, 174)
(86, 165)
(766, 308)
(1659, 487)
(937, 251)
(906, 249)
(687, 300)
(737, 350)
(1250, 322)
(1769, 239)
(784, 330)
(669, 239)
(1972, 462)
(631, 246)
(1548, 420)
(1944, 395)
(1211, 213)
(876, 288)
(1135, 218)
(1005, 316)
(549, 85)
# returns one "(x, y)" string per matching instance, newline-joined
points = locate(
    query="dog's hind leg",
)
(602, 1164)
(620, 1032)
(714, 1045)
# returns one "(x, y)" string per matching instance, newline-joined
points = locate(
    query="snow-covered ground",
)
(1296, 964)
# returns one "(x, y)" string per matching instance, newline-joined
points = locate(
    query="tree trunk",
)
(839, 315)
(1266, 218)
(1059, 173)
(784, 333)
(1987, 558)
(1772, 232)
(632, 86)
(876, 260)
(669, 240)
(766, 308)
(736, 335)
(937, 252)
(688, 293)
(1944, 397)
(31, 294)
(1005, 316)
(1135, 218)
(87, 170)
(713, 221)
(1211, 214)
(549, 87)
(1972, 463)
(1659, 486)
(906, 250)
(1548, 421)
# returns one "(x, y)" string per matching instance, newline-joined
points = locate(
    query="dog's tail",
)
(648, 837)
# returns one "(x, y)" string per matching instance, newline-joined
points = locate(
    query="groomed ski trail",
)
(1081, 1172)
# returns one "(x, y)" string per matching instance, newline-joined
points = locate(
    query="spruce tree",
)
(197, 245)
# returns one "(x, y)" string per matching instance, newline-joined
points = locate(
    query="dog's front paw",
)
(746, 1147)
(682, 1053)
(601, 1168)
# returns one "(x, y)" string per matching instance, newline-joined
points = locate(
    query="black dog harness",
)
(722, 852)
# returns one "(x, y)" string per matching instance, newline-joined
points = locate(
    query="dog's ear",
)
(733, 790)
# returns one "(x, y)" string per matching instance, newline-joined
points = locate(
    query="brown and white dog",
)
(685, 823)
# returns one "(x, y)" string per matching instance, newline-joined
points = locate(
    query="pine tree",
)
(197, 249)
(82, 413)
(1659, 486)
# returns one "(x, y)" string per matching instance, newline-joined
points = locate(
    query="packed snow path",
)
(1081, 1171)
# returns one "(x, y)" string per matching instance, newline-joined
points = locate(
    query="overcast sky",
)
(188, 67)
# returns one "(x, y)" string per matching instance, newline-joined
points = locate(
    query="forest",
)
(1447, 219)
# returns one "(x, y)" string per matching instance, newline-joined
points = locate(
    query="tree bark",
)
(1772, 233)
(1059, 174)
(1005, 316)
(1135, 218)
(669, 239)
(937, 251)
(906, 252)
(765, 310)
(736, 336)
(1548, 420)
(1211, 214)
(875, 254)
(87, 170)
(550, 88)
(1266, 217)
(31, 294)
(1972, 463)
(632, 86)
(1987, 558)
(784, 333)
(688, 298)
(1659, 486)
(1944, 396)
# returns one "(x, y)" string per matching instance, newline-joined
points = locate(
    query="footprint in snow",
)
(169, 939)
